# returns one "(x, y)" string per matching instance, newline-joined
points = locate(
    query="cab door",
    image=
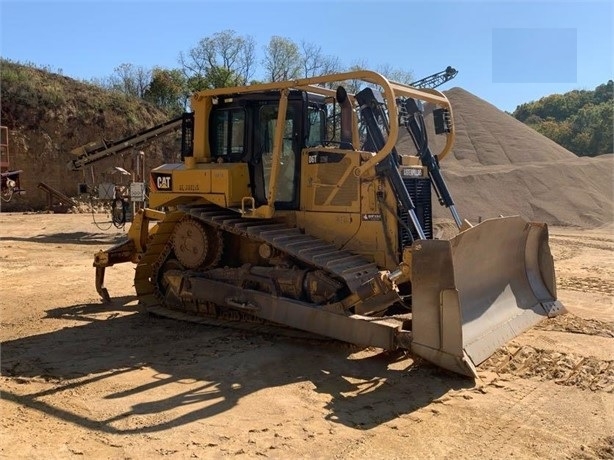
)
(287, 196)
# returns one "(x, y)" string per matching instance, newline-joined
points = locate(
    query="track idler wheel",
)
(197, 245)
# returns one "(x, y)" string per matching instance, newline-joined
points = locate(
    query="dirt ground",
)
(81, 379)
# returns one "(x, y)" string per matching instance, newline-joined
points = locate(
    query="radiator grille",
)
(420, 193)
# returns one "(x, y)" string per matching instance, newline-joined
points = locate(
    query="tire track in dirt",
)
(586, 284)
(520, 408)
(567, 369)
(594, 242)
(577, 325)
(565, 247)
(550, 363)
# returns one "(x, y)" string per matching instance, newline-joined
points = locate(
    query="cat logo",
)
(163, 181)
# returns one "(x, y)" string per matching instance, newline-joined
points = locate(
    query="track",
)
(353, 269)
(158, 246)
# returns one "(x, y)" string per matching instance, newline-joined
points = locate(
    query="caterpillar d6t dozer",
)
(293, 206)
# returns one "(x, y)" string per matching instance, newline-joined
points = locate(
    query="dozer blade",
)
(475, 292)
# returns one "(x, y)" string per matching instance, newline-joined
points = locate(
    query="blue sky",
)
(506, 52)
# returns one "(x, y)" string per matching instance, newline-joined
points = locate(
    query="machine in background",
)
(9, 185)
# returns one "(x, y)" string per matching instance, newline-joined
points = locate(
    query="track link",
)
(352, 268)
(158, 248)
(341, 264)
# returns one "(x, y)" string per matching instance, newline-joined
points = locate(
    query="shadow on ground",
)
(221, 366)
(70, 238)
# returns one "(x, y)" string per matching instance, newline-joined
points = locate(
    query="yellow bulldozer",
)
(293, 206)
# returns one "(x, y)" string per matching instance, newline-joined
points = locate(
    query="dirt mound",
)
(576, 191)
(486, 135)
(500, 166)
(48, 115)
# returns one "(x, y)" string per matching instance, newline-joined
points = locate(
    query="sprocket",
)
(197, 245)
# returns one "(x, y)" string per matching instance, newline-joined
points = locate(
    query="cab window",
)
(286, 188)
(228, 133)
(316, 122)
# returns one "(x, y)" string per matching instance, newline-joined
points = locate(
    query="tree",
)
(353, 86)
(221, 60)
(129, 79)
(167, 90)
(556, 106)
(222, 77)
(315, 62)
(282, 59)
(559, 132)
(396, 74)
(311, 59)
(604, 93)
(593, 129)
(533, 120)
(581, 121)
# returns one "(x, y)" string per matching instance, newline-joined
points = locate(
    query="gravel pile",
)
(500, 166)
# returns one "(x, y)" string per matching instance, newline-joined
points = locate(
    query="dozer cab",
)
(292, 206)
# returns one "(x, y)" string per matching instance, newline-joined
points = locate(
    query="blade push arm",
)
(371, 110)
(414, 122)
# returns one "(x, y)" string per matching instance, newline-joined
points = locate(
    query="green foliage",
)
(197, 83)
(223, 59)
(36, 99)
(127, 79)
(26, 89)
(581, 121)
(282, 60)
(167, 90)
(222, 77)
(220, 60)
